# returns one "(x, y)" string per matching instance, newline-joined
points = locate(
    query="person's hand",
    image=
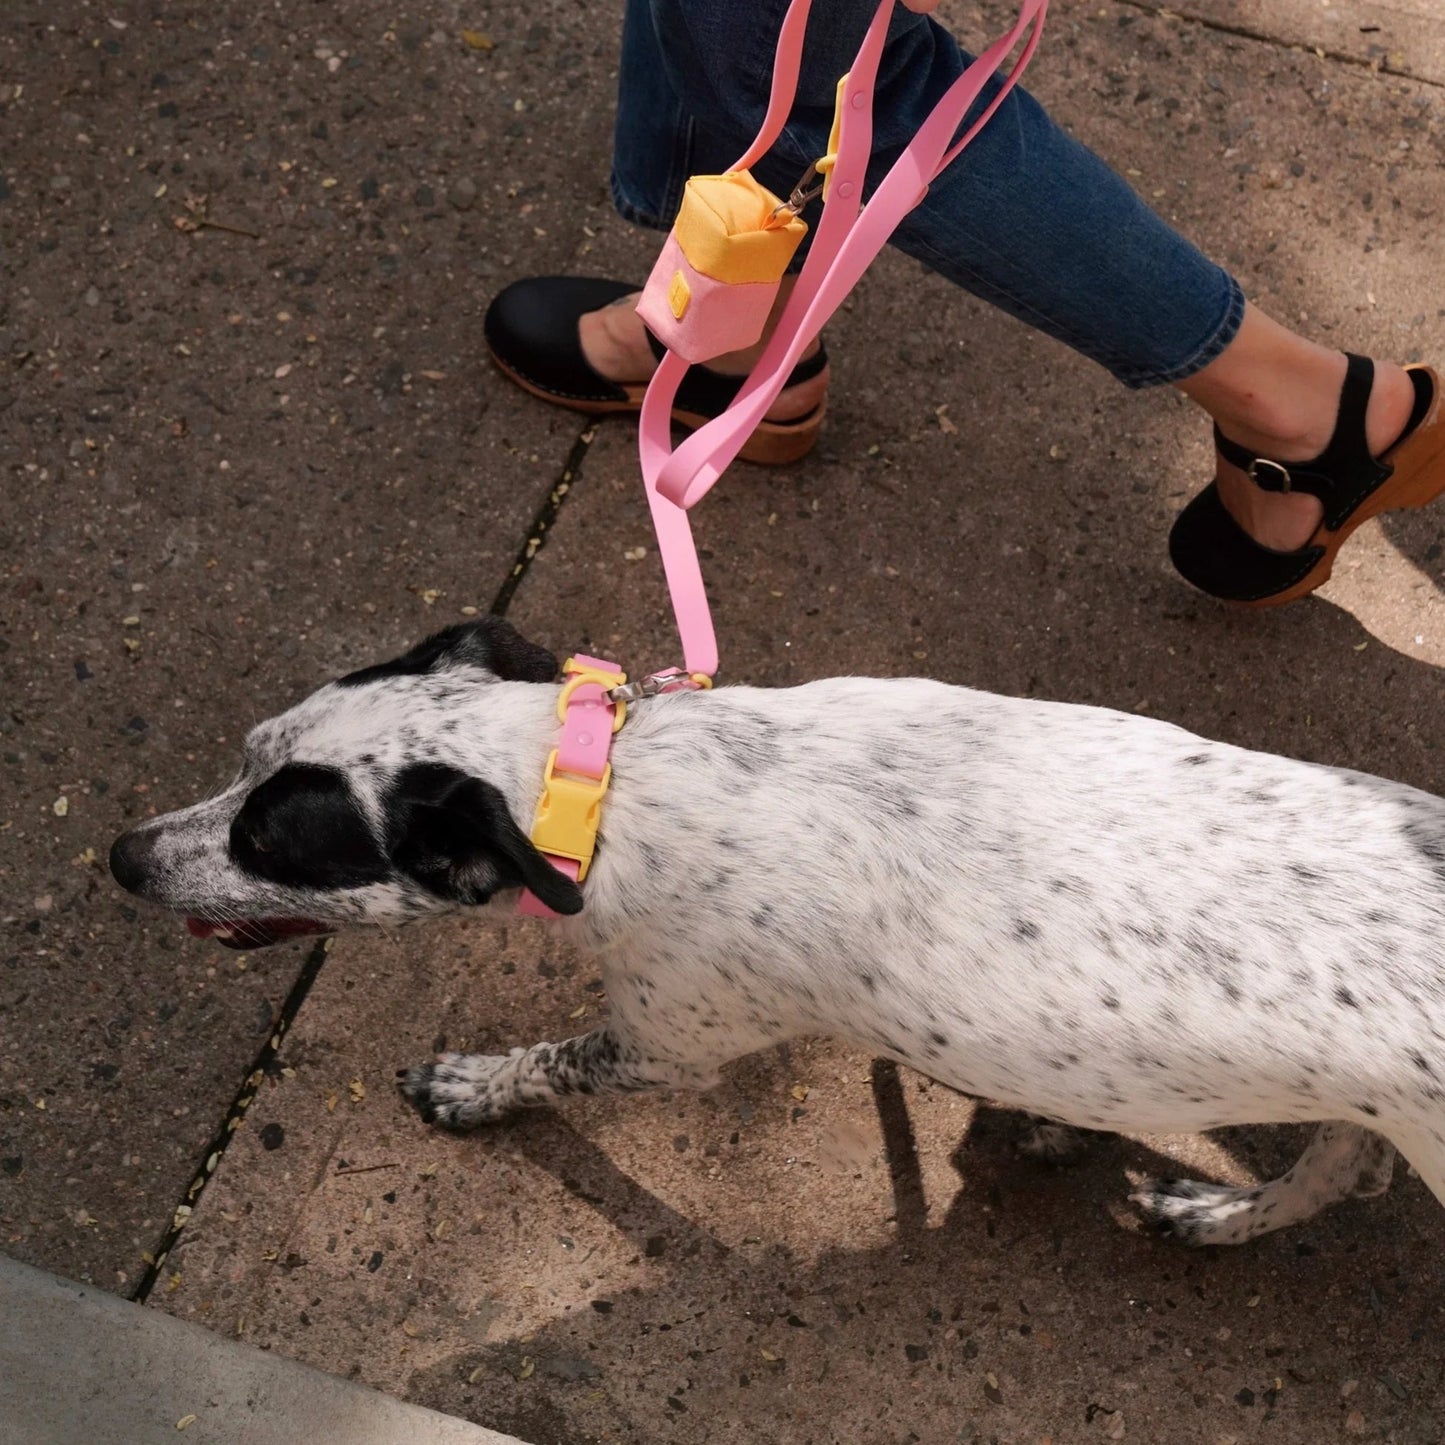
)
(921, 6)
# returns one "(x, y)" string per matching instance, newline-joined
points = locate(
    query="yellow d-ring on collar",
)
(577, 675)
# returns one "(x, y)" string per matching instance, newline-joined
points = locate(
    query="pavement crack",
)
(1378, 66)
(544, 519)
(215, 1150)
(542, 522)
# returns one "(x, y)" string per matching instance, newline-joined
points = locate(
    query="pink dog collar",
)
(592, 707)
(578, 773)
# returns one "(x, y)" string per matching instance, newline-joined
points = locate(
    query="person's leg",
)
(1029, 219)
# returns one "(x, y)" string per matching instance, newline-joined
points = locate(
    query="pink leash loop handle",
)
(680, 564)
(1036, 20)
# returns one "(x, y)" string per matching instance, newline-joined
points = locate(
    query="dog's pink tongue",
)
(255, 932)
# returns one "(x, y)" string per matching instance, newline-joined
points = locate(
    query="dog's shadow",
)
(1031, 1302)
(1022, 1306)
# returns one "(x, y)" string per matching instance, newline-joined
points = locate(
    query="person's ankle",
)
(740, 363)
(1286, 522)
(1295, 422)
(1293, 419)
(1283, 522)
(614, 343)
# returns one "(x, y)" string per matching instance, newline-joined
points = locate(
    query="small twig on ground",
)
(197, 219)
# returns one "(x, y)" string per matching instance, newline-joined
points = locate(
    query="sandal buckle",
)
(1281, 482)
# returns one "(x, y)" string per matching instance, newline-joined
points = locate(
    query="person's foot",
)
(615, 343)
(535, 330)
(1285, 521)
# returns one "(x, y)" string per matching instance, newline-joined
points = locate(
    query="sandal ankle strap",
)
(1343, 473)
(712, 392)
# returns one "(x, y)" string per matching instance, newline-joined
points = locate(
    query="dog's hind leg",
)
(1343, 1161)
(1049, 1142)
(1424, 1150)
(464, 1090)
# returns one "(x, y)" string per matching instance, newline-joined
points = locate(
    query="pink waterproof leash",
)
(849, 236)
(593, 702)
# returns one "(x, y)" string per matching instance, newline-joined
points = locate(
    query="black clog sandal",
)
(1211, 550)
(531, 331)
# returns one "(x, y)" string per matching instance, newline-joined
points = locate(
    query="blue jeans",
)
(1027, 218)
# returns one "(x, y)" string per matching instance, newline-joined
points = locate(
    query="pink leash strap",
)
(849, 237)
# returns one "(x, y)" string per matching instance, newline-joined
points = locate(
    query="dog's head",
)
(380, 798)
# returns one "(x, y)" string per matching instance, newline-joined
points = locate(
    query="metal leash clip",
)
(809, 188)
(672, 679)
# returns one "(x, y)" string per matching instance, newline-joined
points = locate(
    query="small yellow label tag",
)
(679, 294)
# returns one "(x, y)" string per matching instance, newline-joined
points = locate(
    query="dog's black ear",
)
(489, 642)
(455, 835)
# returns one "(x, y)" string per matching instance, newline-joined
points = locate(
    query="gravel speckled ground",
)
(250, 438)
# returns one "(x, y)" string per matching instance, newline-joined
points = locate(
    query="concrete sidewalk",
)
(78, 1364)
(240, 460)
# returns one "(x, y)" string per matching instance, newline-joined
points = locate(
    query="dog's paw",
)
(1198, 1214)
(1050, 1143)
(458, 1091)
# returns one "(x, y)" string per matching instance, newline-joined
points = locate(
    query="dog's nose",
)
(131, 858)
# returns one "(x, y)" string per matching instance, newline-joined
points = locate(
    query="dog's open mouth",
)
(256, 932)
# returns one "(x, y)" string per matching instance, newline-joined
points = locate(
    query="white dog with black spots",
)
(1093, 917)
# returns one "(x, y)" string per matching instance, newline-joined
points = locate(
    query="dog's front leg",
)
(464, 1090)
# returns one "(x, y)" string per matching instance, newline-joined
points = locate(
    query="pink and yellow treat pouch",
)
(715, 282)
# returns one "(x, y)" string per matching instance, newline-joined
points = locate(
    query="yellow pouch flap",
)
(727, 229)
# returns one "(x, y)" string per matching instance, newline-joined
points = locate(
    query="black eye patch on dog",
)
(303, 828)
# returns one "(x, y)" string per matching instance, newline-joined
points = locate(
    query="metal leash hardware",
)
(655, 684)
(809, 188)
